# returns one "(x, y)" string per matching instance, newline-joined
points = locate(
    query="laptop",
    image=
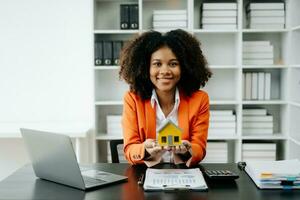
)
(53, 159)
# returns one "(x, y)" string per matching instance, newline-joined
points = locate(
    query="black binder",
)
(134, 16)
(98, 53)
(107, 52)
(117, 46)
(124, 16)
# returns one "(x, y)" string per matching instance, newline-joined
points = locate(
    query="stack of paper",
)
(257, 53)
(216, 152)
(257, 122)
(220, 15)
(258, 151)
(266, 15)
(173, 179)
(284, 174)
(169, 19)
(222, 122)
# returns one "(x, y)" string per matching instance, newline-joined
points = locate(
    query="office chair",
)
(114, 150)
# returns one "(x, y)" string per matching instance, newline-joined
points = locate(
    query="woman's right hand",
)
(153, 149)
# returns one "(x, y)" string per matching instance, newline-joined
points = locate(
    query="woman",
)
(165, 73)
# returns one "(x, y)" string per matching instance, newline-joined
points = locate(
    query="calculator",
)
(220, 174)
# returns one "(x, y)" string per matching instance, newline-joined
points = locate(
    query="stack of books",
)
(107, 52)
(114, 125)
(257, 85)
(170, 19)
(222, 122)
(216, 152)
(266, 14)
(121, 155)
(280, 174)
(257, 122)
(258, 151)
(258, 53)
(219, 15)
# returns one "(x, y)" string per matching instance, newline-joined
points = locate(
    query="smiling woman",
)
(165, 73)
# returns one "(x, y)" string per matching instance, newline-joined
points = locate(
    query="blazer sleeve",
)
(199, 130)
(133, 145)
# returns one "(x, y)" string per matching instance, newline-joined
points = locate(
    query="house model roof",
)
(166, 122)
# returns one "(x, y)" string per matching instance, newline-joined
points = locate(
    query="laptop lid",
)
(53, 158)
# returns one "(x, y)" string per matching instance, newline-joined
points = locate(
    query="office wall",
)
(46, 77)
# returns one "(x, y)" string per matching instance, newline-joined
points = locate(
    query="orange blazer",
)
(139, 124)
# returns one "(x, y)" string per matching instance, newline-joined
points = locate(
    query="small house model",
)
(169, 134)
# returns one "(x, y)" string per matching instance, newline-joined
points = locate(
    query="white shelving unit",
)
(223, 50)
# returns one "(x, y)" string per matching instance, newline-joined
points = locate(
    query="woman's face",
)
(164, 70)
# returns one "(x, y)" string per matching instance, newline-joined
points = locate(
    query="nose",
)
(164, 69)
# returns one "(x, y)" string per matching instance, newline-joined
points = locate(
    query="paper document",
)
(174, 179)
(283, 174)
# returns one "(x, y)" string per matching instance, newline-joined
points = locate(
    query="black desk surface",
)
(24, 185)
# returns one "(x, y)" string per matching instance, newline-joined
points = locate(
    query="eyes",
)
(170, 64)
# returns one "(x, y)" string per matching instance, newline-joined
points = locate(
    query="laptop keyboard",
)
(92, 181)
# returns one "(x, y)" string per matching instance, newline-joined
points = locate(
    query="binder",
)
(117, 46)
(98, 53)
(134, 16)
(124, 16)
(107, 52)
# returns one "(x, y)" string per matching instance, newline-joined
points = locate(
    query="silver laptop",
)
(53, 158)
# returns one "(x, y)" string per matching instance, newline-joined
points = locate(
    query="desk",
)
(24, 185)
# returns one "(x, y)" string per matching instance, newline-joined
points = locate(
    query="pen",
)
(141, 180)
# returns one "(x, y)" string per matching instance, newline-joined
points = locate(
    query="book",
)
(124, 16)
(133, 16)
(174, 179)
(219, 13)
(222, 124)
(261, 86)
(256, 43)
(264, 6)
(267, 20)
(219, 6)
(169, 12)
(219, 26)
(254, 112)
(107, 52)
(267, 86)
(258, 61)
(267, 26)
(219, 20)
(257, 49)
(266, 13)
(257, 124)
(216, 118)
(280, 174)
(221, 131)
(258, 154)
(117, 46)
(181, 24)
(259, 146)
(258, 118)
(259, 55)
(258, 131)
(221, 112)
(248, 85)
(98, 53)
(254, 85)
(170, 17)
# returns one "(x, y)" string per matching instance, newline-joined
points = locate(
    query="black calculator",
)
(220, 174)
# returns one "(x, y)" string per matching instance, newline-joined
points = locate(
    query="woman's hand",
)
(183, 149)
(152, 148)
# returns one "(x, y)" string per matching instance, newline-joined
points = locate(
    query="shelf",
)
(108, 103)
(112, 67)
(265, 30)
(295, 66)
(108, 137)
(223, 66)
(222, 137)
(116, 31)
(214, 31)
(295, 141)
(295, 28)
(223, 102)
(276, 136)
(264, 66)
(295, 104)
(265, 102)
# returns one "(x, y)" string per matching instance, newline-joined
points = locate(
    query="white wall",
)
(46, 77)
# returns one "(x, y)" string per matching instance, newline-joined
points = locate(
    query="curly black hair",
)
(136, 54)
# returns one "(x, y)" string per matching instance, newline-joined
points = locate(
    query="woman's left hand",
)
(183, 148)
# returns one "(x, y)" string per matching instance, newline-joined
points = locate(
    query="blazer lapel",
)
(150, 120)
(183, 117)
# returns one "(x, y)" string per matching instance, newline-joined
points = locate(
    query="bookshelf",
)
(223, 50)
